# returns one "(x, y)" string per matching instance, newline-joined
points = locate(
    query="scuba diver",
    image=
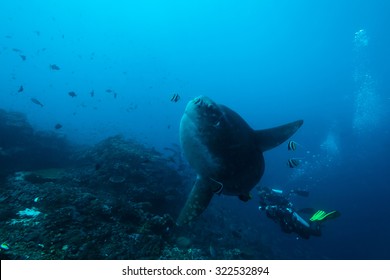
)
(278, 207)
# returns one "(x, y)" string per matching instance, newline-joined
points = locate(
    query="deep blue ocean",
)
(272, 61)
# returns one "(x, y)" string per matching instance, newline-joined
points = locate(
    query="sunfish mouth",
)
(203, 101)
(204, 108)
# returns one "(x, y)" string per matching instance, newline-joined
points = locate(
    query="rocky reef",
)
(117, 199)
(23, 148)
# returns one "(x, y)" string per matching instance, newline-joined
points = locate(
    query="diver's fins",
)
(272, 137)
(197, 201)
(321, 216)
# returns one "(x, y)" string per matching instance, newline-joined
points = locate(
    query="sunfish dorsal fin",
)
(197, 201)
(272, 137)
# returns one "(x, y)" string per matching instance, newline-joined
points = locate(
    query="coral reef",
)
(116, 200)
(84, 212)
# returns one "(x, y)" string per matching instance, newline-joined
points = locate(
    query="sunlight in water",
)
(367, 103)
(330, 146)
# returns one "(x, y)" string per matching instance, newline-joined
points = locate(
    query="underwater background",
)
(90, 162)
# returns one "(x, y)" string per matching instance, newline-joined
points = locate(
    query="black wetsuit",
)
(278, 208)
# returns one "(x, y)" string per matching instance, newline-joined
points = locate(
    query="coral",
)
(175, 253)
(183, 242)
(115, 200)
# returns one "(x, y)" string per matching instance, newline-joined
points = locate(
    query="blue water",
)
(326, 62)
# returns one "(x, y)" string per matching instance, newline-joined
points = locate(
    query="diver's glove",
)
(321, 216)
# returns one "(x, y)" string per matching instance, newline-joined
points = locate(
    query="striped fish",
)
(293, 162)
(175, 97)
(292, 145)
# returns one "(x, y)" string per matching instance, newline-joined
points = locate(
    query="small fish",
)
(23, 57)
(16, 50)
(36, 101)
(20, 89)
(175, 97)
(292, 145)
(109, 90)
(115, 94)
(54, 67)
(92, 93)
(72, 94)
(58, 126)
(293, 162)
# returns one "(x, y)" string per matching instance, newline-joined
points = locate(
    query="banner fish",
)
(175, 97)
(292, 145)
(293, 162)
(20, 89)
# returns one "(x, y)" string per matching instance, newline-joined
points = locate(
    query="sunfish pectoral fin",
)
(272, 137)
(197, 201)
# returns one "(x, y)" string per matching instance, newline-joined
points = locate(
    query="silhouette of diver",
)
(278, 207)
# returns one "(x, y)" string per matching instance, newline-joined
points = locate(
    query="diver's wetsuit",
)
(279, 209)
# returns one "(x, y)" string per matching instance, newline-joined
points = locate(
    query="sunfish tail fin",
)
(272, 137)
(197, 202)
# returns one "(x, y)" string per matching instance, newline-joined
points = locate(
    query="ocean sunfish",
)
(226, 153)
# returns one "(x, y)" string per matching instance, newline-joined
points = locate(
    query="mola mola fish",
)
(226, 153)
